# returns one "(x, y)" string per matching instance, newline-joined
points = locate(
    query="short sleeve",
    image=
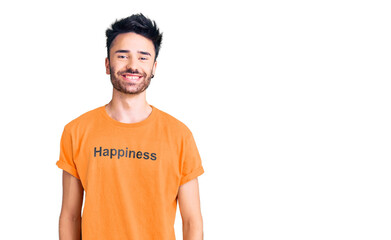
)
(66, 161)
(191, 166)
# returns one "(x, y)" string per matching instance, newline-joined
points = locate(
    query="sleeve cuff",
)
(192, 175)
(66, 167)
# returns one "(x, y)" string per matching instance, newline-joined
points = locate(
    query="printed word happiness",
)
(123, 153)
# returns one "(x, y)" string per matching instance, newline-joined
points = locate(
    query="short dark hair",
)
(136, 23)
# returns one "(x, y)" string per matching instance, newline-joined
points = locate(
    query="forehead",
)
(133, 42)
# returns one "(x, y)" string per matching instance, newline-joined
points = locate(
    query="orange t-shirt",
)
(131, 173)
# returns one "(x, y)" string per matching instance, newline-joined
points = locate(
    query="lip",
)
(131, 77)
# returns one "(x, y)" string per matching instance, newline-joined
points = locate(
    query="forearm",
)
(193, 230)
(70, 229)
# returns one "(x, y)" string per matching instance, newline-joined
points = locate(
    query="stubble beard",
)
(121, 86)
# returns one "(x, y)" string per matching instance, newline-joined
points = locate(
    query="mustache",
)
(132, 72)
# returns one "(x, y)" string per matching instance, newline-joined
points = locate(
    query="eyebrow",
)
(127, 51)
(122, 51)
(144, 53)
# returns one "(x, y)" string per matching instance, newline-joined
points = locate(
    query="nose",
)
(131, 65)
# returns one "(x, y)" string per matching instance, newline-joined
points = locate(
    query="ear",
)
(154, 67)
(107, 64)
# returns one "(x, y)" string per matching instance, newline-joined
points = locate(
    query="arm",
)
(189, 205)
(72, 200)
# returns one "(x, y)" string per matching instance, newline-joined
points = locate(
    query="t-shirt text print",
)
(123, 153)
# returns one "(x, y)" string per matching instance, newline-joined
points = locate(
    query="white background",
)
(288, 101)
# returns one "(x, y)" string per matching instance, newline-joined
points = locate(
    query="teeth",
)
(132, 77)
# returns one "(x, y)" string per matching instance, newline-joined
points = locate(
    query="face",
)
(131, 63)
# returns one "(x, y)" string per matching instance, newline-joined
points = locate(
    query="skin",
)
(189, 206)
(128, 104)
(72, 200)
(130, 54)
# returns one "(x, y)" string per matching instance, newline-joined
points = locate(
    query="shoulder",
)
(174, 123)
(84, 120)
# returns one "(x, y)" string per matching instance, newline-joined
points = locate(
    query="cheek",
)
(115, 68)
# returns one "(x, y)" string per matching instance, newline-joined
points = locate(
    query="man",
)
(133, 161)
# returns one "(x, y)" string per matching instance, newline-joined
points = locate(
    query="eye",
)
(143, 58)
(121, 56)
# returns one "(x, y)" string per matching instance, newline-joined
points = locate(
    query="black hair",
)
(136, 23)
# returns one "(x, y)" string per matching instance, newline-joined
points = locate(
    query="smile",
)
(131, 77)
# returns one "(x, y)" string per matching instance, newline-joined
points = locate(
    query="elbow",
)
(70, 217)
(193, 223)
(193, 229)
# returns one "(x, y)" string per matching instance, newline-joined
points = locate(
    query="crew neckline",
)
(149, 119)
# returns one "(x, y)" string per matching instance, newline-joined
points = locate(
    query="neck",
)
(128, 108)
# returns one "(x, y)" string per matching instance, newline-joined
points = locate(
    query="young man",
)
(133, 161)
